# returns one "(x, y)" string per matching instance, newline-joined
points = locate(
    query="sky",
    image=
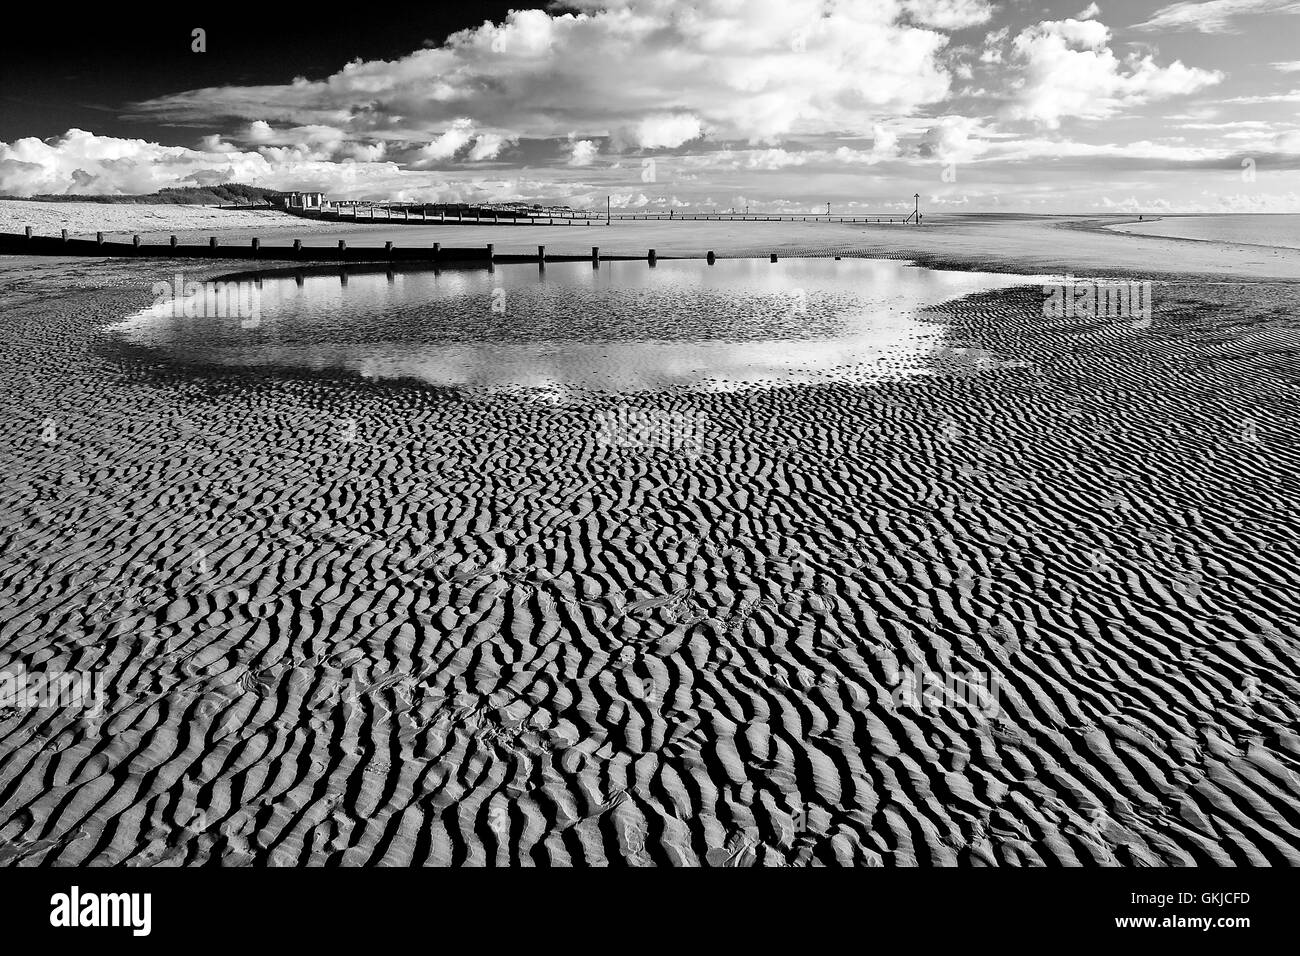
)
(771, 105)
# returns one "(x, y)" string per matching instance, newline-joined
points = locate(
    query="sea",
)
(1281, 229)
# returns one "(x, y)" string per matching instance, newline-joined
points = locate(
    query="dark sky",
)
(86, 75)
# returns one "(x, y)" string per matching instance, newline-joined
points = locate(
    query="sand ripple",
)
(341, 622)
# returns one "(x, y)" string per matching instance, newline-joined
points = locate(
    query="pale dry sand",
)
(474, 635)
(84, 219)
(1033, 244)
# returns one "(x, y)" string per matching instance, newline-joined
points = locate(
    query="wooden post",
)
(388, 249)
(173, 243)
(491, 252)
(297, 245)
(99, 238)
(541, 253)
(595, 255)
(257, 244)
(28, 231)
(135, 242)
(774, 257)
(343, 246)
(437, 249)
(710, 257)
(652, 257)
(212, 242)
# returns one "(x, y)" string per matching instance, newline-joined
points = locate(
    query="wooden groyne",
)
(19, 244)
(28, 244)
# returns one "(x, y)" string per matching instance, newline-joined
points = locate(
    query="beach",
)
(1036, 606)
(1083, 245)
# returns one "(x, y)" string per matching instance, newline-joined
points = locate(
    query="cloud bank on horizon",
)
(776, 104)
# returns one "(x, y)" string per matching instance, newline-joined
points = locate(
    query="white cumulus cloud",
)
(652, 73)
(1067, 69)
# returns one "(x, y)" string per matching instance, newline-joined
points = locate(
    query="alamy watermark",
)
(75, 908)
(56, 689)
(921, 689)
(1097, 298)
(179, 299)
(626, 427)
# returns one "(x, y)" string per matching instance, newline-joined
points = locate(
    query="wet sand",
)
(341, 621)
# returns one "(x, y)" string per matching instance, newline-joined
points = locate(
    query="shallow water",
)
(623, 326)
(1262, 230)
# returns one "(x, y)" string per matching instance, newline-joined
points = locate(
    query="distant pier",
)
(416, 215)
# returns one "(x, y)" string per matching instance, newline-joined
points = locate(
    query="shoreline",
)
(1084, 246)
(1217, 242)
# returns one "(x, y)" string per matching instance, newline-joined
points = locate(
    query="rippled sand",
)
(340, 621)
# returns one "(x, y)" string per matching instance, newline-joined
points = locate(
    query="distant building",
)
(300, 201)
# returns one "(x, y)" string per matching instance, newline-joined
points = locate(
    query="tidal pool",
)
(741, 323)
